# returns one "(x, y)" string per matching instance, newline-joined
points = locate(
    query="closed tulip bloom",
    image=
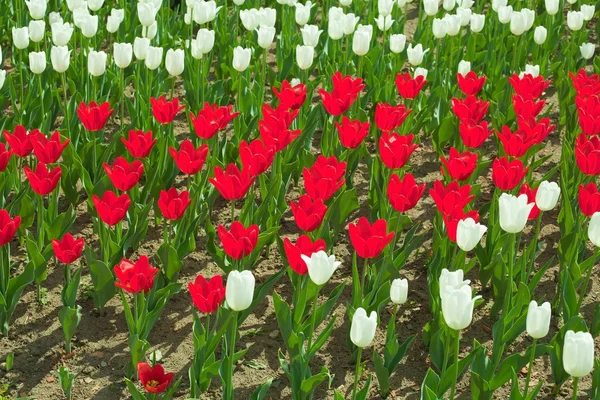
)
(384, 23)
(439, 28)
(153, 57)
(95, 5)
(138, 143)
(363, 328)
(173, 204)
(477, 22)
(589, 199)
(518, 23)
(453, 24)
(324, 178)
(395, 149)
(448, 4)
(388, 117)
(20, 37)
(123, 175)
(465, 15)
(369, 240)
(459, 166)
(469, 234)
(205, 11)
(94, 116)
(37, 62)
(207, 295)
(594, 229)
(238, 242)
(304, 56)
(348, 23)
(20, 140)
(575, 20)
(464, 67)
(43, 181)
(551, 6)
(37, 29)
(539, 35)
(308, 213)
(320, 266)
(587, 154)
(578, 353)
(122, 54)
(404, 194)
(250, 19)
(89, 26)
(335, 30)
(267, 16)
(189, 160)
(135, 277)
(507, 174)
(112, 24)
(265, 34)
(415, 54)
(153, 378)
(303, 12)
(399, 291)
(587, 50)
(164, 110)
(505, 14)
(385, 7)
(452, 280)
(74, 4)
(533, 70)
(457, 307)
(345, 92)
(241, 58)
(409, 87)
(430, 7)
(175, 62)
(397, 43)
(54, 17)
(146, 13)
(538, 319)
(4, 157)
(61, 33)
(514, 212)
(80, 15)
(232, 183)
(239, 290)
(67, 250)
(48, 151)
(140, 48)
(290, 95)
(547, 195)
(529, 17)
(588, 11)
(37, 8)
(111, 209)
(97, 63)
(310, 35)
(352, 133)
(206, 40)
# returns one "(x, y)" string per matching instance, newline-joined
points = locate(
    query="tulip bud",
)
(477, 22)
(140, 48)
(538, 319)
(268, 16)
(335, 29)
(241, 58)
(303, 13)
(60, 57)
(37, 30)
(420, 72)
(529, 16)
(112, 24)
(239, 290)
(453, 24)
(547, 195)
(95, 5)
(505, 14)
(496, 4)
(348, 23)
(122, 54)
(304, 56)
(265, 34)
(430, 7)
(452, 280)
(361, 43)
(54, 18)
(385, 7)
(320, 266)
(175, 62)
(196, 53)
(469, 234)
(533, 70)
(75, 4)
(465, 3)
(239, 2)
(250, 19)
(2, 77)
(551, 7)
(89, 26)
(206, 40)
(37, 8)
(20, 37)
(587, 50)
(465, 15)
(335, 14)
(37, 62)
(346, 3)
(518, 23)
(153, 57)
(61, 33)
(363, 328)
(578, 353)
(310, 35)
(146, 13)
(118, 14)
(96, 63)
(449, 4)
(588, 11)
(397, 43)
(514, 212)
(594, 229)
(384, 23)
(439, 28)
(457, 306)
(539, 35)
(464, 67)
(187, 17)
(399, 291)
(80, 14)
(150, 32)
(575, 20)
(415, 54)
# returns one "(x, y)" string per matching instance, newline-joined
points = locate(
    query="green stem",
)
(363, 279)
(232, 211)
(313, 318)
(511, 250)
(41, 98)
(453, 390)
(531, 358)
(584, 289)
(356, 372)
(575, 386)
(228, 387)
(531, 264)
(22, 87)
(122, 99)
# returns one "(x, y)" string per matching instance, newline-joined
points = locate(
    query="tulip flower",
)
(404, 194)
(135, 277)
(388, 117)
(37, 31)
(439, 28)
(514, 212)
(173, 204)
(153, 57)
(430, 7)
(395, 149)
(175, 62)
(310, 35)
(89, 25)
(469, 83)
(110, 208)
(345, 92)
(303, 12)
(304, 56)
(256, 157)
(320, 266)
(20, 37)
(594, 229)
(450, 197)
(547, 195)
(20, 140)
(207, 295)
(94, 116)
(454, 23)
(399, 291)
(37, 8)
(369, 240)
(95, 5)
(206, 40)
(459, 166)
(470, 109)
(507, 174)
(67, 250)
(4, 157)
(415, 54)
(531, 196)
(54, 17)
(588, 108)
(384, 23)
(588, 11)
(348, 23)
(60, 57)
(477, 22)
(154, 379)
(352, 133)
(239, 290)
(238, 242)
(539, 35)
(574, 20)
(211, 119)
(308, 213)
(122, 53)
(43, 181)
(274, 134)
(290, 97)
(551, 6)
(469, 234)
(61, 33)
(518, 23)
(397, 43)
(241, 58)
(189, 159)
(452, 280)
(165, 111)
(48, 151)
(589, 199)
(96, 63)
(587, 154)
(363, 328)
(457, 306)
(464, 67)
(9, 227)
(140, 47)
(232, 183)
(303, 247)
(146, 13)
(578, 353)
(138, 143)
(517, 143)
(453, 217)
(123, 175)
(526, 108)
(408, 87)
(250, 19)
(265, 35)
(527, 86)
(385, 7)
(324, 178)
(538, 319)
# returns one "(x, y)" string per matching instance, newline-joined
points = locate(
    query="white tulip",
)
(303, 12)
(477, 22)
(335, 29)
(151, 31)
(187, 17)
(551, 6)
(533, 70)
(37, 29)
(575, 20)
(514, 212)
(80, 15)
(547, 194)
(348, 23)
(37, 62)
(153, 57)
(464, 67)
(118, 14)
(205, 11)
(415, 54)
(439, 28)
(385, 7)
(310, 35)
(61, 33)
(539, 35)
(361, 42)
(89, 26)
(453, 24)
(578, 353)
(20, 37)
(241, 58)
(239, 290)
(397, 43)
(320, 266)
(122, 54)
(363, 328)
(96, 63)
(538, 319)
(505, 14)
(465, 15)
(239, 2)
(295, 82)
(469, 234)
(420, 72)
(529, 17)
(449, 4)
(112, 24)
(518, 23)
(146, 13)
(594, 229)
(346, 3)
(496, 4)
(430, 7)
(368, 29)
(304, 56)
(95, 5)
(335, 13)
(465, 3)
(140, 47)
(250, 19)
(457, 307)
(175, 62)
(266, 35)
(588, 11)
(452, 280)
(37, 8)
(384, 23)
(60, 57)
(54, 18)
(267, 16)
(587, 50)
(206, 40)
(75, 4)
(399, 291)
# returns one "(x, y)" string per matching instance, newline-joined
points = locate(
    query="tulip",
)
(363, 328)
(464, 67)
(266, 35)
(345, 92)
(212, 119)
(538, 320)
(453, 24)
(308, 213)
(518, 23)
(324, 178)
(43, 181)
(37, 62)
(206, 40)
(20, 140)
(304, 56)
(135, 277)
(452, 280)
(80, 16)
(153, 57)
(303, 247)
(320, 267)
(587, 50)
(395, 149)
(37, 8)
(267, 16)
(352, 133)
(112, 24)
(189, 159)
(334, 29)
(94, 116)
(397, 43)
(97, 63)
(165, 111)
(457, 306)
(54, 17)
(388, 118)
(385, 7)
(439, 28)
(430, 7)
(122, 54)
(61, 33)
(469, 234)
(207, 295)
(594, 229)
(589, 199)
(588, 11)
(291, 95)
(256, 157)
(507, 174)
(505, 14)
(75, 4)
(146, 13)
(232, 183)
(48, 151)
(37, 31)
(575, 20)
(415, 54)
(67, 250)
(384, 23)
(140, 48)
(547, 195)
(138, 143)
(250, 19)
(539, 35)
(241, 58)
(111, 209)
(587, 154)
(514, 212)
(477, 22)
(20, 37)
(399, 291)
(348, 23)
(310, 35)
(238, 242)
(89, 26)
(408, 87)
(578, 353)
(205, 11)
(154, 379)
(123, 175)
(303, 12)
(404, 194)
(239, 290)
(448, 4)
(174, 62)
(551, 6)
(9, 227)
(95, 5)
(465, 15)
(369, 240)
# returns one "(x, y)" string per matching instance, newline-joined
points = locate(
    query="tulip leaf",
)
(69, 319)
(102, 279)
(171, 264)
(515, 362)
(261, 392)
(309, 385)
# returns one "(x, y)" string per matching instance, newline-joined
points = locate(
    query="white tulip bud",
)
(20, 37)
(469, 234)
(320, 266)
(61, 33)
(303, 13)
(384, 23)
(399, 291)
(37, 29)
(538, 319)
(304, 56)
(37, 62)
(514, 212)
(363, 328)
(464, 67)
(140, 47)
(551, 7)
(89, 26)
(587, 50)
(96, 63)
(548, 192)
(153, 57)
(539, 35)
(575, 20)
(594, 229)
(477, 22)
(239, 290)
(37, 8)
(310, 35)
(241, 58)
(122, 54)
(175, 62)
(397, 43)
(206, 40)
(505, 14)
(266, 35)
(578, 353)
(61, 58)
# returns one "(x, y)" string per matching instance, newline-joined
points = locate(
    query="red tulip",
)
(507, 174)
(308, 214)
(395, 149)
(588, 109)
(459, 166)
(164, 111)
(453, 217)
(135, 277)
(470, 109)
(189, 159)
(4, 157)
(43, 180)
(20, 140)
(280, 116)
(473, 134)
(450, 197)
(48, 151)
(470, 84)
(124, 175)
(587, 154)
(388, 117)
(94, 116)
(589, 199)
(256, 157)
(369, 240)
(154, 379)
(516, 143)
(111, 209)
(324, 178)
(232, 183)
(172, 204)
(538, 131)
(527, 108)
(138, 143)
(212, 119)
(303, 246)
(68, 249)
(207, 295)
(526, 189)
(352, 133)
(408, 87)
(345, 92)
(527, 86)
(585, 85)
(274, 127)
(404, 194)
(291, 97)
(8, 227)
(238, 242)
